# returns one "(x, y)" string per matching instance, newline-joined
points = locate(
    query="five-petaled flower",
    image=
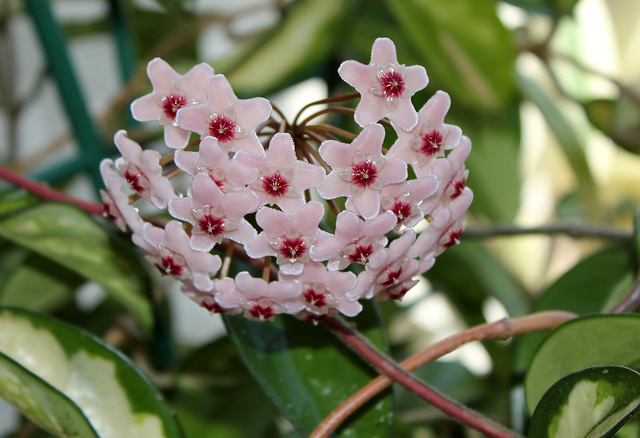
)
(385, 85)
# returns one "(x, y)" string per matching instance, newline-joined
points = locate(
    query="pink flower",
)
(206, 299)
(355, 240)
(324, 292)
(445, 227)
(431, 136)
(215, 215)
(258, 299)
(172, 255)
(451, 174)
(170, 93)
(231, 121)
(287, 236)
(405, 199)
(143, 171)
(283, 178)
(388, 267)
(115, 201)
(211, 159)
(386, 87)
(360, 171)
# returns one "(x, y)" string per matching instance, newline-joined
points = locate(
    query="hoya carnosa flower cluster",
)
(260, 190)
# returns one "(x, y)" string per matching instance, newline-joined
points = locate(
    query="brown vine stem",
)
(335, 109)
(45, 192)
(630, 302)
(326, 101)
(503, 329)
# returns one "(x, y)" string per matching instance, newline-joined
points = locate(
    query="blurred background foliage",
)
(548, 91)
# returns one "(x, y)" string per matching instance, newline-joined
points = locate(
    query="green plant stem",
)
(576, 230)
(45, 192)
(388, 367)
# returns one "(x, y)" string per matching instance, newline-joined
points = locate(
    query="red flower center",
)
(458, 187)
(211, 225)
(137, 181)
(169, 266)
(275, 184)
(212, 307)
(222, 128)
(393, 277)
(361, 254)
(364, 173)
(172, 103)
(454, 238)
(392, 84)
(292, 248)
(402, 210)
(314, 298)
(431, 143)
(262, 312)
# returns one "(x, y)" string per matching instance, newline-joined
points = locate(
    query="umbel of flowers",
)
(260, 190)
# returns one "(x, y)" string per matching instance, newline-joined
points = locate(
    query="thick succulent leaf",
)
(464, 45)
(591, 286)
(39, 284)
(204, 380)
(582, 343)
(307, 34)
(40, 402)
(59, 364)
(592, 403)
(16, 199)
(571, 143)
(308, 372)
(71, 238)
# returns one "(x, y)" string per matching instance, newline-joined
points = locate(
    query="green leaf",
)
(308, 372)
(42, 403)
(16, 199)
(619, 119)
(38, 284)
(464, 46)
(593, 403)
(205, 380)
(570, 141)
(306, 35)
(591, 286)
(68, 236)
(73, 366)
(636, 232)
(582, 343)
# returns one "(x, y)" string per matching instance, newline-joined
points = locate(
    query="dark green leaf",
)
(13, 200)
(307, 34)
(619, 119)
(594, 284)
(117, 399)
(69, 237)
(205, 380)
(593, 403)
(38, 284)
(582, 343)
(636, 232)
(308, 373)
(465, 45)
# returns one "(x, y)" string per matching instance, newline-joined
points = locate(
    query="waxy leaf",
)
(71, 238)
(593, 285)
(60, 377)
(585, 342)
(308, 372)
(593, 403)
